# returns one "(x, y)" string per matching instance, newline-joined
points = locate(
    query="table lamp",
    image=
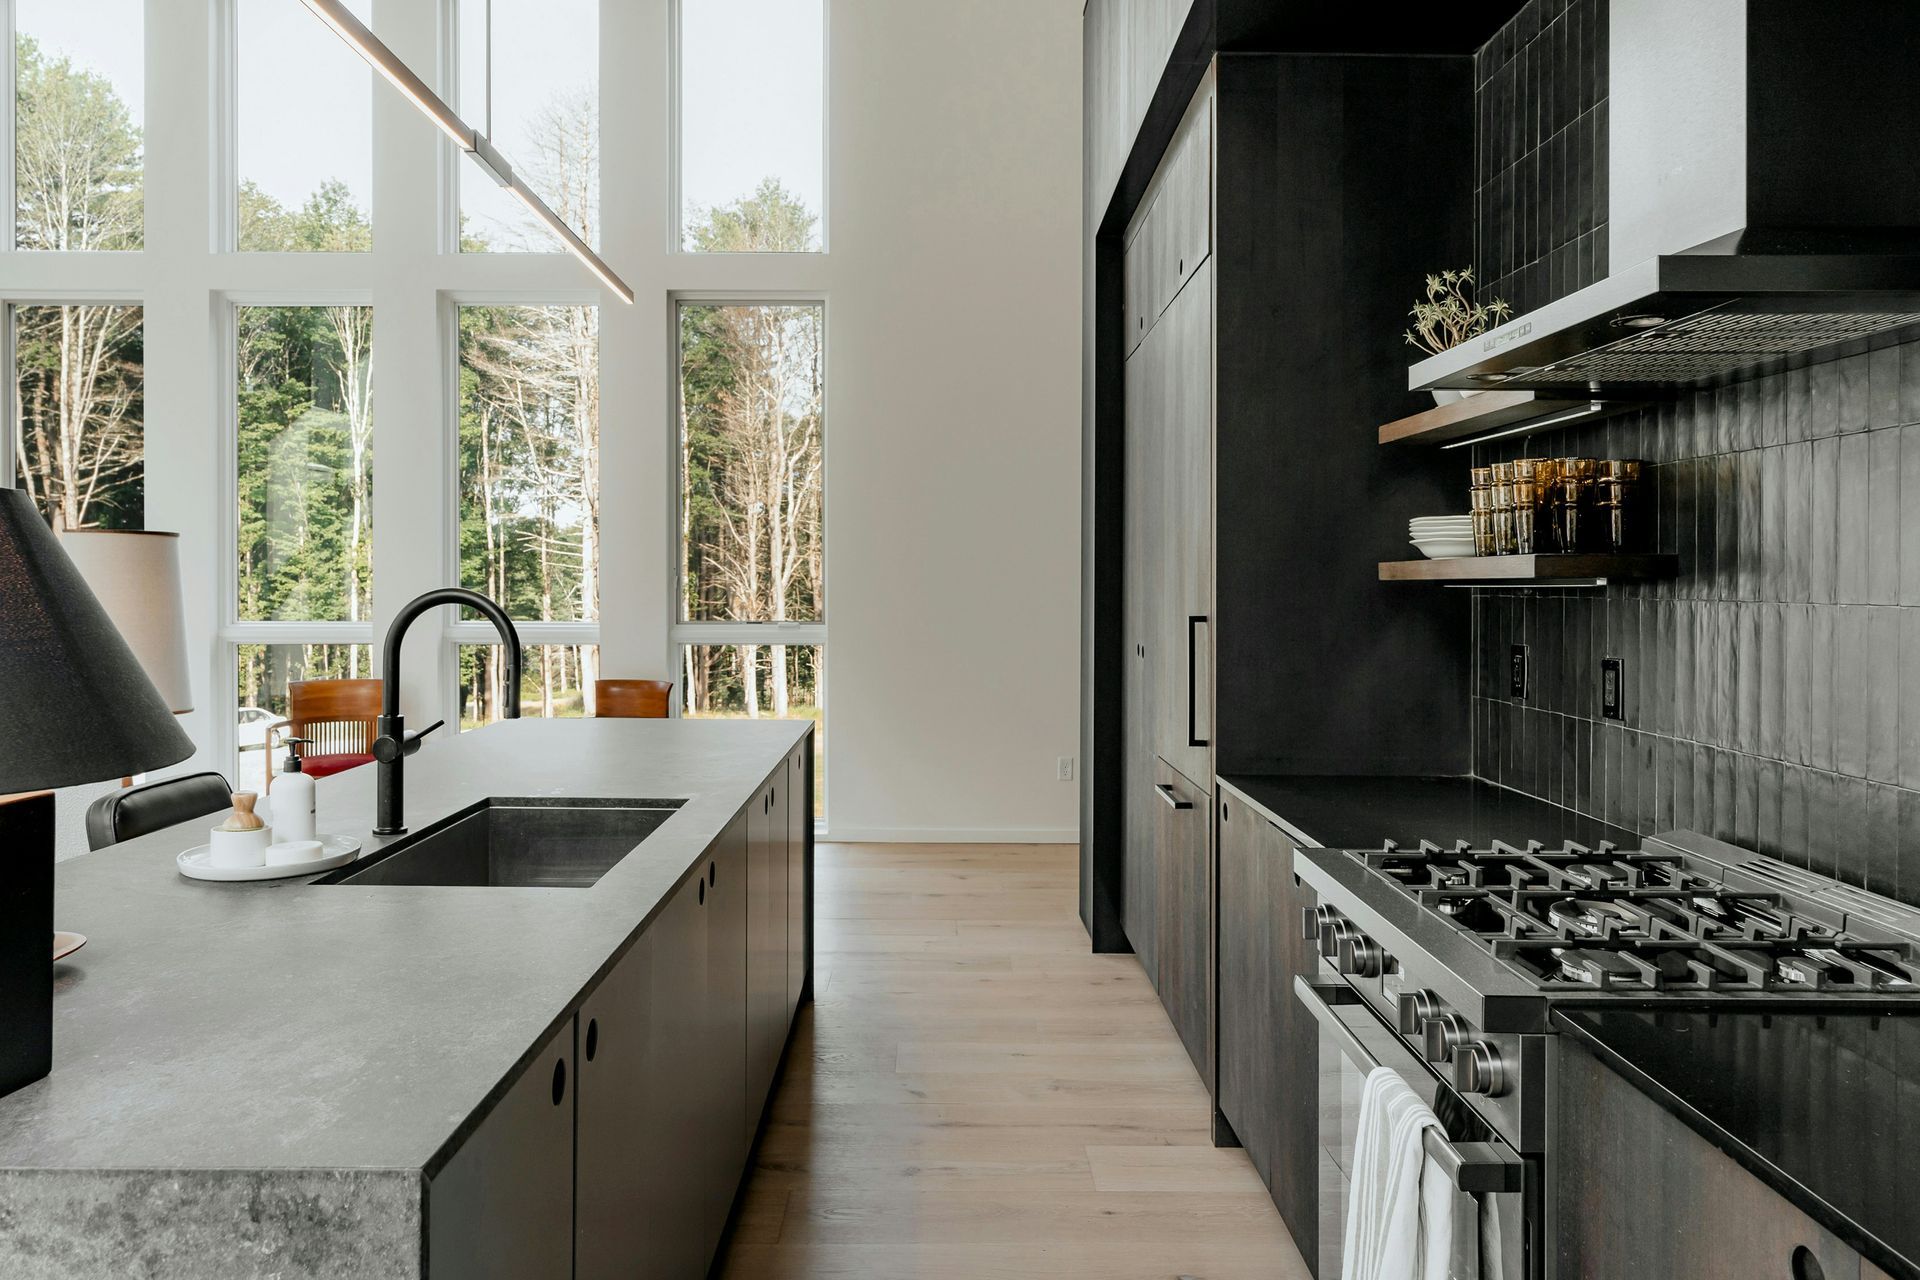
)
(75, 707)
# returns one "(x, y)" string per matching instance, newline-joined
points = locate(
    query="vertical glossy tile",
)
(1795, 682)
(1851, 544)
(1726, 527)
(1820, 649)
(1883, 387)
(1910, 382)
(1766, 831)
(1823, 399)
(1881, 682)
(1799, 405)
(1793, 815)
(1909, 511)
(1796, 486)
(1771, 678)
(1850, 829)
(1746, 801)
(1907, 698)
(1724, 799)
(1747, 487)
(1822, 821)
(1850, 683)
(1824, 527)
(1771, 500)
(1882, 839)
(1744, 658)
(1855, 406)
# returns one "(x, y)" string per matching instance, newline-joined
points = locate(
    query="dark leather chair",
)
(134, 811)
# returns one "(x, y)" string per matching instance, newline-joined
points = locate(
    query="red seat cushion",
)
(322, 766)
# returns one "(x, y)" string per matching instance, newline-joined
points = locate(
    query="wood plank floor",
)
(975, 1095)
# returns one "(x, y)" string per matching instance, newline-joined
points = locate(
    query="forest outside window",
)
(752, 125)
(79, 108)
(544, 114)
(304, 158)
(78, 405)
(529, 529)
(753, 510)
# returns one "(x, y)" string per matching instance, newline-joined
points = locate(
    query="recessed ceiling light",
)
(1489, 377)
(1638, 322)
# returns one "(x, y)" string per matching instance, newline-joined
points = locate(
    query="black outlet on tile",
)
(1517, 673)
(1613, 689)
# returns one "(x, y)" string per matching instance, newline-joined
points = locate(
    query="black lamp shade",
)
(75, 705)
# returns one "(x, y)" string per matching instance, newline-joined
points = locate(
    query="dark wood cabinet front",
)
(1268, 1066)
(1185, 912)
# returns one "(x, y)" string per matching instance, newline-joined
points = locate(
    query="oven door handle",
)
(1472, 1167)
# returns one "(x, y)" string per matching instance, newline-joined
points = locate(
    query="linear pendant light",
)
(396, 73)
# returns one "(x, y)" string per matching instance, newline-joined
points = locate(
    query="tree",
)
(77, 388)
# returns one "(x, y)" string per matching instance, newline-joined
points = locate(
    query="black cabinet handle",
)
(713, 874)
(593, 1037)
(559, 1081)
(703, 891)
(1173, 801)
(1193, 675)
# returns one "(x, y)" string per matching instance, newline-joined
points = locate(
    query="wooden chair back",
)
(336, 716)
(632, 699)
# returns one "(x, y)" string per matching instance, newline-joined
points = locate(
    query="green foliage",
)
(76, 157)
(771, 220)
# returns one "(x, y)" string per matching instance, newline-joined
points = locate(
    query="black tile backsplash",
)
(1541, 166)
(1773, 688)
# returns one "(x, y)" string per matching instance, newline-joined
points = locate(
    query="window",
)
(79, 443)
(304, 464)
(752, 551)
(263, 672)
(79, 103)
(554, 681)
(751, 462)
(781, 681)
(544, 113)
(304, 151)
(752, 111)
(529, 531)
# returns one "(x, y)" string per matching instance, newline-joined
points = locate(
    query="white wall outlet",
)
(1065, 769)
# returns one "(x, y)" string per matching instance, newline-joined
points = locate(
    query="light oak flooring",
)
(975, 1095)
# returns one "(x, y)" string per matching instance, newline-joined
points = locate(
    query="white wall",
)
(952, 290)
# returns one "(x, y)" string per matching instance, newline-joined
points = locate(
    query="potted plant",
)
(1448, 316)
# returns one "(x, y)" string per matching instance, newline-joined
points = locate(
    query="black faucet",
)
(394, 745)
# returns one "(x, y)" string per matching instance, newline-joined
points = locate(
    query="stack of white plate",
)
(1442, 537)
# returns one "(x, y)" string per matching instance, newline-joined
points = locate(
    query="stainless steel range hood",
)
(1764, 202)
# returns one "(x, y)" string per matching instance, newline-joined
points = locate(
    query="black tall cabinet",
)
(1250, 261)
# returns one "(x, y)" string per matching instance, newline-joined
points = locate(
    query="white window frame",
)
(459, 633)
(10, 301)
(233, 631)
(677, 205)
(682, 633)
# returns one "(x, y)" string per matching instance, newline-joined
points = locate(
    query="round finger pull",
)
(559, 1081)
(593, 1037)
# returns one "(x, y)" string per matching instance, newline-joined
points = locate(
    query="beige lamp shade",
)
(136, 577)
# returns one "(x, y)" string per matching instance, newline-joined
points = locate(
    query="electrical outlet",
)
(1613, 689)
(1517, 674)
(1065, 769)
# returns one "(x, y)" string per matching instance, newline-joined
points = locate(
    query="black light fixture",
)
(75, 707)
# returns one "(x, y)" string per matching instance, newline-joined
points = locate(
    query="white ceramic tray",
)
(339, 851)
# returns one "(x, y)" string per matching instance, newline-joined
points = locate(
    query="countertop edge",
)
(1804, 1198)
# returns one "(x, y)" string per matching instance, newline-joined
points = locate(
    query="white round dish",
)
(1451, 549)
(65, 943)
(339, 851)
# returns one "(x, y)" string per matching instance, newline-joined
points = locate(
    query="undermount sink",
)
(516, 843)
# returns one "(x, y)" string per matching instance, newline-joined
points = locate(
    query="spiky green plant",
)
(1448, 315)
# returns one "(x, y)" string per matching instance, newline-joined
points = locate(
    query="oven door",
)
(1494, 1185)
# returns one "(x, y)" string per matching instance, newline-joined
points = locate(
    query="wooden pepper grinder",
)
(243, 818)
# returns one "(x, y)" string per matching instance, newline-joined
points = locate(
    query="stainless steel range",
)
(1444, 962)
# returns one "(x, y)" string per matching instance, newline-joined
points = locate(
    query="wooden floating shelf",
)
(1523, 570)
(1499, 412)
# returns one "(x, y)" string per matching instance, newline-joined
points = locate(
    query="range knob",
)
(1314, 921)
(1335, 932)
(1445, 1034)
(1360, 956)
(1416, 1007)
(1478, 1068)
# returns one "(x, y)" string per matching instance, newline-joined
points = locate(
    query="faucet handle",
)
(412, 743)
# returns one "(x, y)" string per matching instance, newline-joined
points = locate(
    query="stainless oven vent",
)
(1713, 346)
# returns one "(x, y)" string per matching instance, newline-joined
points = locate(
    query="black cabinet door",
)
(799, 863)
(1268, 1061)
(622, 1162)
(1185, 913)
(1140, 881)
(502, 1205)
(725, 1083)
(678, 1171)
(1183, 556)
(766, 942)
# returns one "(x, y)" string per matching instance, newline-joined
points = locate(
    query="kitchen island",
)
(293, 1078)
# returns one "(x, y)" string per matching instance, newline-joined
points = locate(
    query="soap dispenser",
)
(293, 810)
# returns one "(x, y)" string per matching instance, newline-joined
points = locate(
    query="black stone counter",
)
(1355, 813)
(1825, 1108)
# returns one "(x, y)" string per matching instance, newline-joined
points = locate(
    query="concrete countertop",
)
(301, 1027)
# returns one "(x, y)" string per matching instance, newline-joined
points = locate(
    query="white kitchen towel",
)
(1399, 1206)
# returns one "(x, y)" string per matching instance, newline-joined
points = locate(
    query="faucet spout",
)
(393, 745)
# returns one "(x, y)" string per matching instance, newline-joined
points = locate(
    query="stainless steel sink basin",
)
(509, 843)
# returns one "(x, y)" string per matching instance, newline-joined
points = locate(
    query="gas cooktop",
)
(1666, 918)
